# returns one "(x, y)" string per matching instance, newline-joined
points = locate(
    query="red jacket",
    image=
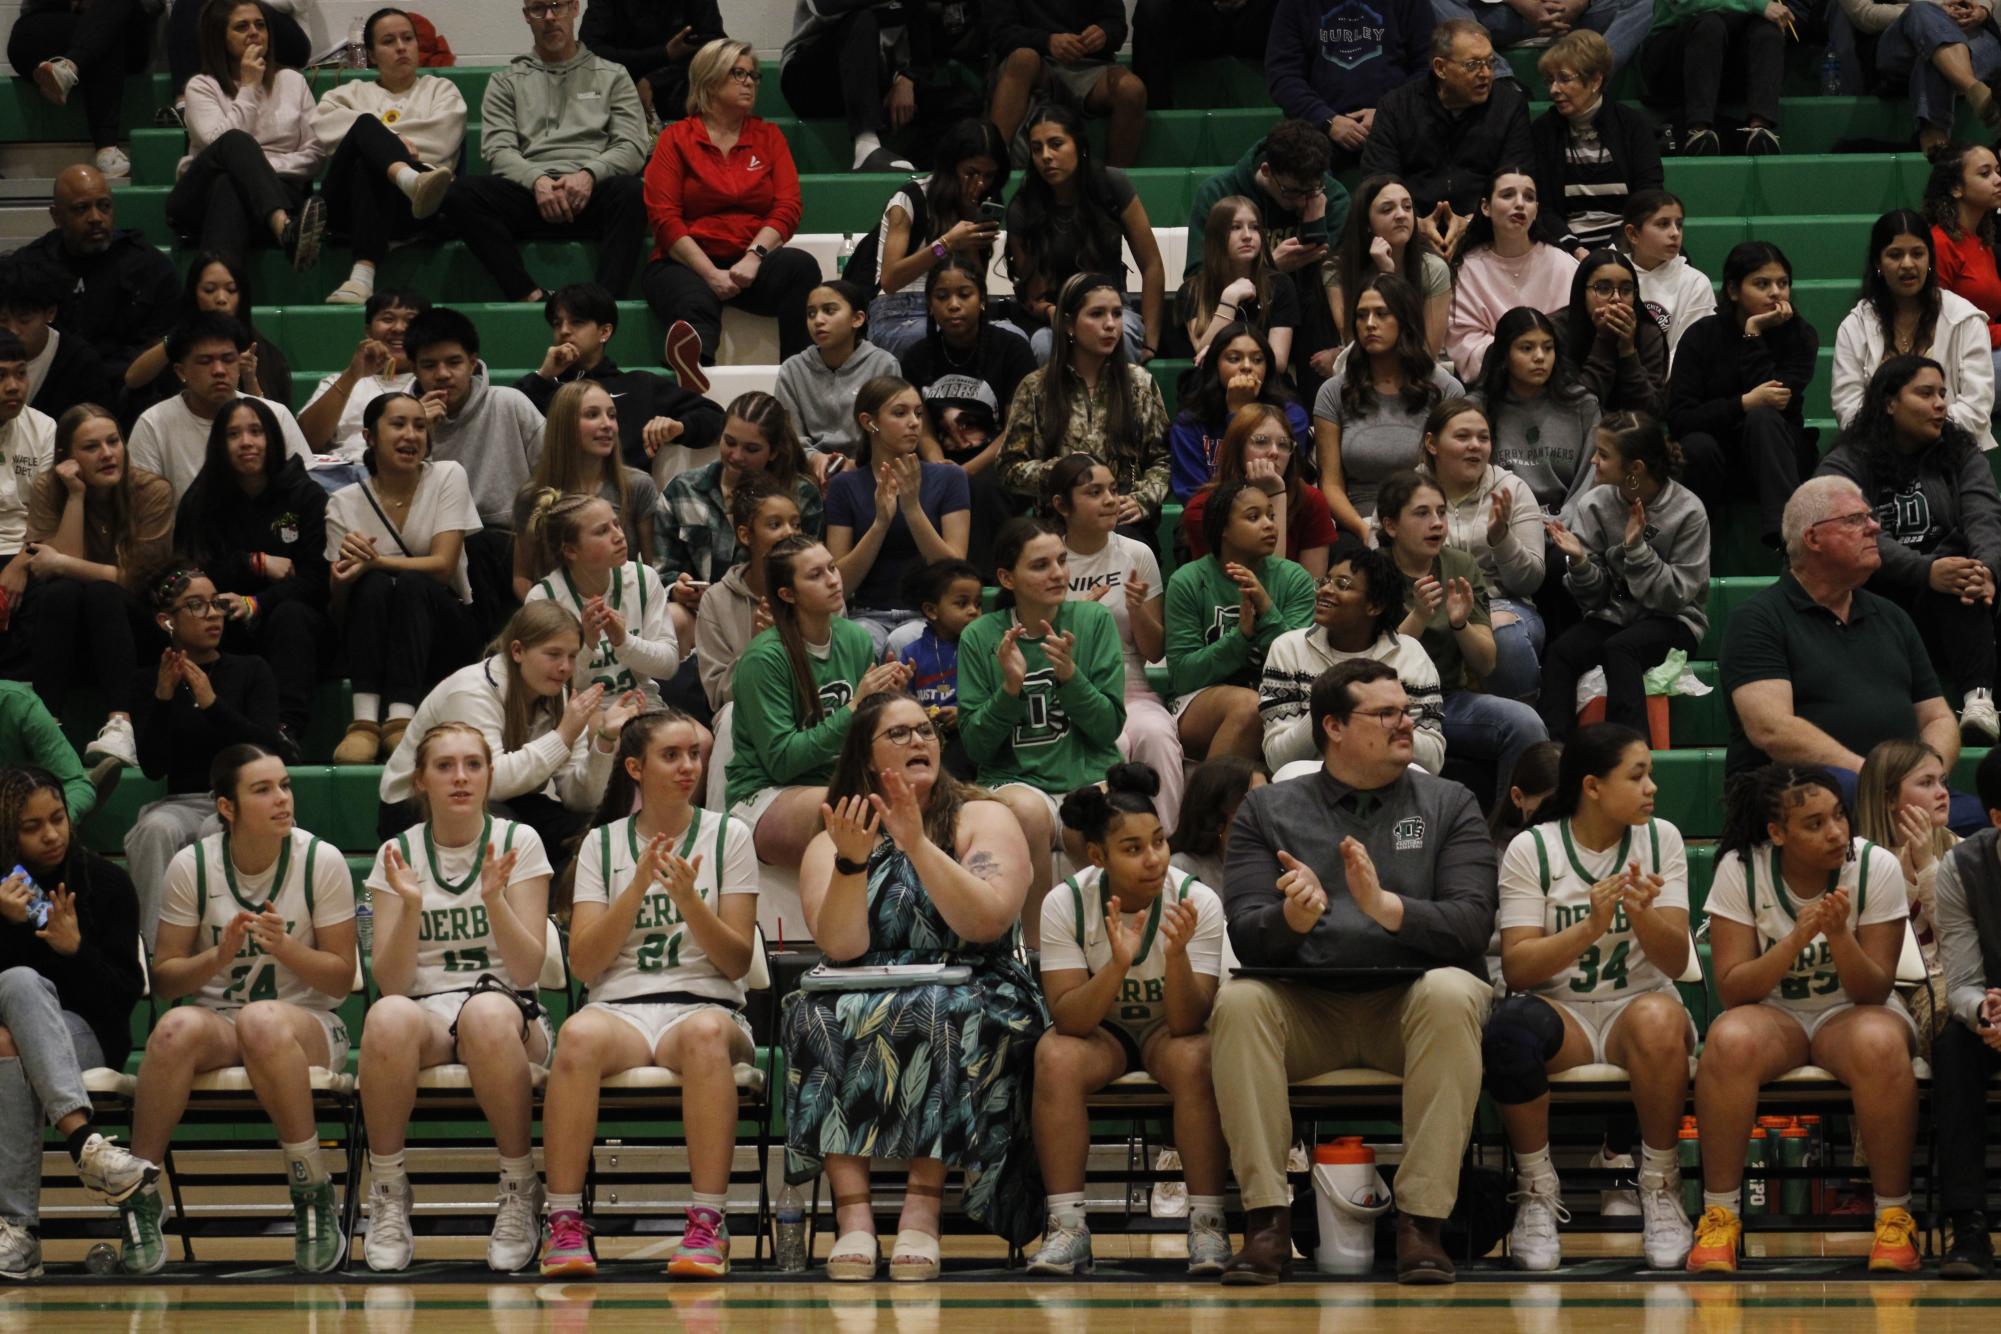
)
(722, 200)
(1966, 268)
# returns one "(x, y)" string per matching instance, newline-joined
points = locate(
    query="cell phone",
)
(38, 906)
(1313, 231)
(993, 212)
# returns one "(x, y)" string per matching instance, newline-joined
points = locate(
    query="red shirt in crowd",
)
(1966, 268)
(1313, 526)
(721, 199)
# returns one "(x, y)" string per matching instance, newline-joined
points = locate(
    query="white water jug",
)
(1350, 1196)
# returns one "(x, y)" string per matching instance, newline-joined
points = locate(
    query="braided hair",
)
(1752, 802)
(17, 784)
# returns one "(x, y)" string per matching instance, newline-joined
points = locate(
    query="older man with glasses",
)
(564, 136)
(1365, 893)
(1816, 670)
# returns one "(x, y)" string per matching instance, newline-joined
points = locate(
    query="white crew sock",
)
(1892, 1202)
(1205, 1211)
(387, 1167)
(1661, 1162)
(1067, 1210)
(405, 179)
(1733, 1200)
(713, 1203)
(1535, 1168)
(517, 1169)
(367, 707)
(865, 143)
(305, 1164)
(559, 1203)
(362, 275)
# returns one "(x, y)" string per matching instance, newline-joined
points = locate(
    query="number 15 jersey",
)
(308, 885)
(660, 953)
(455, 936)
(1749, 890)
(1546, 880)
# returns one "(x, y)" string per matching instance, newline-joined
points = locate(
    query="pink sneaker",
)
(567, 1253)
(704, 1251)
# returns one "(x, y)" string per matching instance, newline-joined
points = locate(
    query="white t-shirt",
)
(1876, 893)
(27, 446)
(1073, 939)
(1546, 880)
(443, 504)
(660, 954)
(1120, 558)
(455, 937)
(308, 884)
(171, 441)
(346, 440)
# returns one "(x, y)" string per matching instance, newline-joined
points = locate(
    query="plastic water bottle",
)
(357, 50)
(103, 1259)
(790, 1248)
(364, 928)
(1830, 74)
(848, 244)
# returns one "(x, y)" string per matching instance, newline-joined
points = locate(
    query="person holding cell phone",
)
(955, 211)
(257, 929)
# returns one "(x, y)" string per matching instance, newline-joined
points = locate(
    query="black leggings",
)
(784, 281)
(82, 634)
(106, 40)
(1958, 638)
(225, 196)
(840, 73)
(297, 639)
(363, 204)
(1686, 64)
(405, 633)
(1766, 460)
(290, 46)
(1626, 652)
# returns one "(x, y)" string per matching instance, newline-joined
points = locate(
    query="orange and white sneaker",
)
(1895, 1248)
(1717, 1233)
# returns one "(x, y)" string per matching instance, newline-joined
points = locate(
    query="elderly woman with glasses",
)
(722, 199)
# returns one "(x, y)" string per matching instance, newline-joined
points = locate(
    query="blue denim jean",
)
(40, 1086)
(1517, 670)
(1622, 23)
(1907, 46)
(1487, 727)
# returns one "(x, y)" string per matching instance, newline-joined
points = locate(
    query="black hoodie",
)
(120, 301)
(289, 519)
(102, 980)
(76, 375)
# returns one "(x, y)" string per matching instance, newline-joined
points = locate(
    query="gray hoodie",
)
(822, 401)
(540, 119)
(497, 438)
(1545, 441)
(1665, 574)
(722, 632)
(1940, 502)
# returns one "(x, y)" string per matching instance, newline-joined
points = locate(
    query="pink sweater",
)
(281, 121)
(1488, 287)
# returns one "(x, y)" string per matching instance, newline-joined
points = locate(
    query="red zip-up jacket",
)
(720, 199)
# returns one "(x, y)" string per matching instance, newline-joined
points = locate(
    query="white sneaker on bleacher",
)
(112, 162)
(1979, 724)
(115, 740)
(517, 1226)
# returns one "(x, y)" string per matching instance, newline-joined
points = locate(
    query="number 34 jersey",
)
(455, 936)
(1749, 890)
(308, 885)
(1546, 880)
(660, 953)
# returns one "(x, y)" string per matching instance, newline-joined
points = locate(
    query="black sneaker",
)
(1761, 141)
(1969, 1252)
(1701, 143)
(303, 232)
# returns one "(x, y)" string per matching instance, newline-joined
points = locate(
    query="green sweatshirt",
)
(774, 746)
(549, 120)
(1204, 646)
(1054, 737)
(29, 734)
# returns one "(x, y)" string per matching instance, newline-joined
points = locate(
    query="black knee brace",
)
(1524, 1033)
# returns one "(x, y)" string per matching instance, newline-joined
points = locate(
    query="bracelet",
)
(251, 604)
(257, 563)
(846, 867)
(939, 251)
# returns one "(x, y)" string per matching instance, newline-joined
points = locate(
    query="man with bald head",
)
(122, 290)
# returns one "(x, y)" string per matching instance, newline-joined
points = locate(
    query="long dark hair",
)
(214, 44)
(1535, 771)
(1638, 438)
(621, 793)
(1061, 479)
(1746, 258)
(1754, 800)
(1120, 410)
(1579, 331)
(1012, 539)
(855, 776)
(1351, 259)
(767, 414)
(1881, 460)
(1215, 790)
(1591, 752)
(245, 301)
(778, 573)
(215, 489)
(17, 784)
(973, 137)
(1206, 399)
(1413, 355)
(1053, 251)
(1216, 512)
(1948, 173)
(1480, 231)
(1901, 222)
(1563, 383)
(974, 272)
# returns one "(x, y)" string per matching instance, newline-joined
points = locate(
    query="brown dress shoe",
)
(1420, 1256)
(1266, 1249)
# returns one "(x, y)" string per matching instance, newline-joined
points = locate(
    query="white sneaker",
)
(1667, 1235)
(1979, 724)
(57, 79)
(1621, 1201)
(110, 1173)
(389, 1247)
(116, 741)
(517, 1226)
(20, 1252)
(1170, 1198)
(112, 162)
(1533, 1243)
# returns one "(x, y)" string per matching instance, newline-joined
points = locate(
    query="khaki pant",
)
(1266, 1035)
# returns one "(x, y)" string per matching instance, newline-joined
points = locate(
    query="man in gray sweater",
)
(1302, 890)
(564, 137)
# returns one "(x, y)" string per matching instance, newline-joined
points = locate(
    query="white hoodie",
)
(1959, 344)
(431, 115)
(1676, 294)
(477, 694)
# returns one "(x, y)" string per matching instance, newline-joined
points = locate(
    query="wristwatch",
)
(938, 249)
(760, 251)
(846, 867)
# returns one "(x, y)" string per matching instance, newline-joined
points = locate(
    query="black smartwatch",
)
(760, 252)
(846, 867)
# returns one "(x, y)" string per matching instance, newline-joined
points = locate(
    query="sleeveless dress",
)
(921, 1072)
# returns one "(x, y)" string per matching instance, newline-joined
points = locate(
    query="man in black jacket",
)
(654, 413)
(122, 291)
(62, 372)
(654, 40)
(1446, 131)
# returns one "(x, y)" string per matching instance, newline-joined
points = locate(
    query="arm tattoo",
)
(984, 865)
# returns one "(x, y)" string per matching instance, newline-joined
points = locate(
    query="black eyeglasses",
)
(547, 10)
(203, 606)
(907, 734)
(749, 76)
(1390, 717)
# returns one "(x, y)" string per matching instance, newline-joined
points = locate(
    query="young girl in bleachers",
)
(817, 387)
(930, 221)
(1638, 565)
(1737, 394)
(1961, 196)
(948, 593)
(257, 929)
(217, 283)
(1382, 237)
(1806, 923)
(581, 456)
(1542, 416)
(583, 565)
(1902, 803)
(1368, 418)
(1201, 838)
(458, 973)
(1237, 373)
(663, 925)
(734, 611)
(1618, 353)
(540, 729)
(1237, 284)
(1492, 515)
(1502, 265)
(1121, 575)
(1594, 931)
(1673, 292)
(892, 511)
(1132, 955)
(1259, 447)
